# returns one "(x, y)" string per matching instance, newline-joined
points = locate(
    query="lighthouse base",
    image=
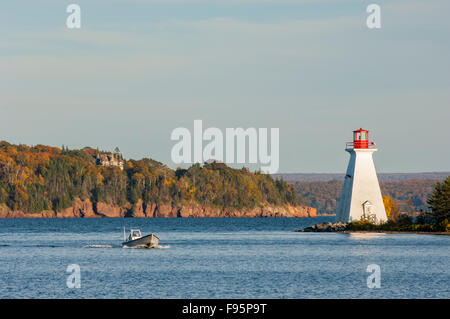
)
(361, 196)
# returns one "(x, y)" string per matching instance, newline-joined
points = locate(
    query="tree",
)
(439, 201)
(391, 207)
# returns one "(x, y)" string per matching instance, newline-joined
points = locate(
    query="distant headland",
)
(44, 181)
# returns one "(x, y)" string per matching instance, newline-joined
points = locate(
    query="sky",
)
(136, 70)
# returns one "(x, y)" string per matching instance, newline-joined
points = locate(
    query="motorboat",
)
(136, 240)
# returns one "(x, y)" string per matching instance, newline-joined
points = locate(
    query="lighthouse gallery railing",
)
(352, 145)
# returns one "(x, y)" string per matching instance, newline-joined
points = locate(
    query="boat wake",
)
(99, 246)
(163, 247)
(145, 247)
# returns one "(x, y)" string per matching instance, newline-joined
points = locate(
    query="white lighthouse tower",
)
(361, 195)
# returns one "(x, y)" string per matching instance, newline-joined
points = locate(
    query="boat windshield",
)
(136, 233)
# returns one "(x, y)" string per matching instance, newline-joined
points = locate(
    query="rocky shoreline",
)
(87, 209)
(325, 228)
(343, 228)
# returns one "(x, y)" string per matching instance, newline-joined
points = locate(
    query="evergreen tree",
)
(439, 201)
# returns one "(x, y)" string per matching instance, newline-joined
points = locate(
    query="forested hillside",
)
(412, 195)
(382, 177)
(38, 178)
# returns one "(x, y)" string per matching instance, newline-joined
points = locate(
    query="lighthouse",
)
(361, 195)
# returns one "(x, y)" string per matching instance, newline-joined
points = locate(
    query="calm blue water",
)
(216, 258)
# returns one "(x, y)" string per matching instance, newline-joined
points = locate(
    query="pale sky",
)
(136, 70)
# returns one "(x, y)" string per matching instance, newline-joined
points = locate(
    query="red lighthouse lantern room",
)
(361, 138)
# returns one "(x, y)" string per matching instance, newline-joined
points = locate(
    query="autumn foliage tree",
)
(391, 207)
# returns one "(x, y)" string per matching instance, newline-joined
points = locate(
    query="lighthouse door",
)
(368, 212)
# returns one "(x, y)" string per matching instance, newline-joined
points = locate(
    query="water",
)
(216, 258)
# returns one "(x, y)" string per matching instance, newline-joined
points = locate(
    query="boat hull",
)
(149, 241)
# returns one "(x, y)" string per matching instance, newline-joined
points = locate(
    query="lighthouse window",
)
(363, 136)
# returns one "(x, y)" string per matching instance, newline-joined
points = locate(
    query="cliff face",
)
(86, 209)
